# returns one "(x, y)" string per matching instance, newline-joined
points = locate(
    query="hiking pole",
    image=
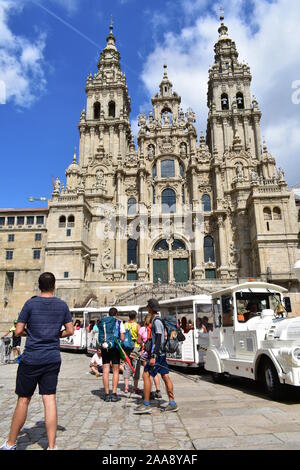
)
(124, 355)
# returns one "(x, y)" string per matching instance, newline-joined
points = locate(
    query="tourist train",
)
(250, 333)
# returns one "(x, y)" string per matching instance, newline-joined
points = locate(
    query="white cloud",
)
(21, 60)
(268, 39)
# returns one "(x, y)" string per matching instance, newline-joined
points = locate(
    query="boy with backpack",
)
(157, 362)
(109, 328)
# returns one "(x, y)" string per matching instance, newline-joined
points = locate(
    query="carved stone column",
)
(82, 146)
(257, 137)
(225, 133)
(246, 132)
(111, 141)
(223, 269)
(92, 152)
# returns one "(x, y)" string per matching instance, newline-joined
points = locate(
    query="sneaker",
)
(143, 409)
(158, 394)
(55, 448)
(107, 398)
(169, 408)
(5, 446)
(114, 397)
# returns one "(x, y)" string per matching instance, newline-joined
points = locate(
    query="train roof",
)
(247, 286)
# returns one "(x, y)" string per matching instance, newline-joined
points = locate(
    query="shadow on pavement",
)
(37, 434)
(247, 386)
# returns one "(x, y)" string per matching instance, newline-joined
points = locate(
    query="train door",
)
(201, 339)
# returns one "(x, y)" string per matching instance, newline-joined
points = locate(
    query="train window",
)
(227, 311)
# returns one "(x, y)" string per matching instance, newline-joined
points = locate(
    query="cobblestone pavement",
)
(232, 416)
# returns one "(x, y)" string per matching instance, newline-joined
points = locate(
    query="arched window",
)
(97, 110)
(153, 195)
(168, 201)
(183, 194)
(167, 169)
(267, 213)
(276, 213)
(161, 245)
(240, 100)
(181, 170)
(131, 206)
(131, 251)
(206, 203)
(62, 221)
(224, 101)
(178, 245)
(71, 221)
(209, 251)
(112, 109)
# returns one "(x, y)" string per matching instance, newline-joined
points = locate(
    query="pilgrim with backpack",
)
(109, 329)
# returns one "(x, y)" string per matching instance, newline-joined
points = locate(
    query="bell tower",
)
(232, 112)
(104, 126)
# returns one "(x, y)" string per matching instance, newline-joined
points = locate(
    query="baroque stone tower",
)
(176, 210)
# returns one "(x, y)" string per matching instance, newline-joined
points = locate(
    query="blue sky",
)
(44, 64)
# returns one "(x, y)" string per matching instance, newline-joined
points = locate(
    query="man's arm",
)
(122, 331)
(158, 338)
(69, 330)
(20, 329)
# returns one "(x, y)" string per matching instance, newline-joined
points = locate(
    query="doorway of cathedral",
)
(181, 270)
(170, 262)
(160, 271)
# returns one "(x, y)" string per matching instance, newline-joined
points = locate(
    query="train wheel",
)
(272, 384)
(218, 378)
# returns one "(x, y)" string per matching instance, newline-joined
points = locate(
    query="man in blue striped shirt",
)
(41, 320)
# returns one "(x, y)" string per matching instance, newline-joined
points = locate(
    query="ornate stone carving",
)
(166, 144)
(106, 259)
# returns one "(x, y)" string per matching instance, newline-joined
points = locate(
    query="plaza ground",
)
(236, 415)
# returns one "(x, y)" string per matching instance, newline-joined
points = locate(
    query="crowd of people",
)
(143, 346)
(135, 350)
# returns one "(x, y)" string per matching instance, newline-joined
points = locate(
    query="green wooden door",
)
(160, 270)
(210, 274)
(181, 270)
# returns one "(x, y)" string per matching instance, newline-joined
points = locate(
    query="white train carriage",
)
(85, 340)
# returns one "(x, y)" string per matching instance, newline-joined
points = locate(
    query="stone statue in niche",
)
(234, 254)
(239, 170)
(183, 149)
(100, 182)
(150, 151)
(166, 118)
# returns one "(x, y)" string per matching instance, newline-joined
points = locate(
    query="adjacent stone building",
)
(176, 210)
(23, 237)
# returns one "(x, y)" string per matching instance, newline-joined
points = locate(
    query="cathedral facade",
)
(178, 208)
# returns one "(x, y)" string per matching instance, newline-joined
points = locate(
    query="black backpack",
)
(174, 335)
